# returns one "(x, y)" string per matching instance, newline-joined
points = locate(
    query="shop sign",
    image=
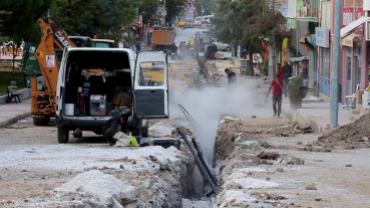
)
(322, 37)
(347, 42)
(351, 14)
(367, 28)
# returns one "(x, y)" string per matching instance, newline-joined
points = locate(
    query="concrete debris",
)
(258, 131)
(349, 165)
(310, 187)
(186, 203)
(219, 55)
(268, 155)
(289, 160)
(106, 187)
(161, 129)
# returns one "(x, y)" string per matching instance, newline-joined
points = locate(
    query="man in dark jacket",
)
(113, 125)
(231, 77)
(287, 69)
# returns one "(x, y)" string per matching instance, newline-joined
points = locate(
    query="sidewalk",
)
(317, 115)
(11, 112)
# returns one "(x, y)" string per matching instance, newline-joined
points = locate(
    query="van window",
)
(153, 73)
(102, 45)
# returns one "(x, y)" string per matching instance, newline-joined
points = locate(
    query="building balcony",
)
(302, 10)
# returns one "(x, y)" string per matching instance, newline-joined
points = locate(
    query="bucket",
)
(70, 109)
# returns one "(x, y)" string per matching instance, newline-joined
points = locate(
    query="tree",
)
(148, 10)
(208, 7)
(247, 23)
(174, 7)
(104, 18)
(22, 23)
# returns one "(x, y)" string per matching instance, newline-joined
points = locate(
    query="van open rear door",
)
(151, 95)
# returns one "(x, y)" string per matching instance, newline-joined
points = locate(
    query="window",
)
(153, 73)
(102, 45)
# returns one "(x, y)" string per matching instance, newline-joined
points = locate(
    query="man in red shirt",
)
(280, 71)
(277, 86)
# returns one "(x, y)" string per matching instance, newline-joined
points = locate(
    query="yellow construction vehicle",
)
(49, 58)
(150, 73)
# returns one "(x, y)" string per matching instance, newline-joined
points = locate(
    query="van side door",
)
(61, 83)
(150, 85)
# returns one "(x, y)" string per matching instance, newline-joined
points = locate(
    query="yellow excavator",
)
(151, 73)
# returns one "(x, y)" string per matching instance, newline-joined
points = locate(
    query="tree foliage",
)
(22, 21)
(148, 10)
(104, 18)
(174, 7)
(208, 7)
(247, 23)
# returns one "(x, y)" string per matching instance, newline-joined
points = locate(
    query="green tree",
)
(104, 18)
(22, 23)
(148, 10)
(247, 23)
(208, 7)
(174, 7)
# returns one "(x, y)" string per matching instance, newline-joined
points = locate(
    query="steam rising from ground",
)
(208, 104)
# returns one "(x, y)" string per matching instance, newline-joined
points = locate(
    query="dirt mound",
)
(358, 131)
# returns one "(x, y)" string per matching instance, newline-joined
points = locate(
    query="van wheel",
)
(63, 134)
(41, 120)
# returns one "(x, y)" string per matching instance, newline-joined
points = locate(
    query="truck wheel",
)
(63, 134)
(41, 120)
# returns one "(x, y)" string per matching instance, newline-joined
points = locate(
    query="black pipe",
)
(198, 161)
(200, 155)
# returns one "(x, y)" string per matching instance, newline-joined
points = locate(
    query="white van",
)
(93, 82)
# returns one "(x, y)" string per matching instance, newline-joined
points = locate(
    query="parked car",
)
(222, 46)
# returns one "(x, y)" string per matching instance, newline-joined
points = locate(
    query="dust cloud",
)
(206, 106)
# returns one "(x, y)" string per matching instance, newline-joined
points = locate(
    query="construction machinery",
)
(151, 72)
(41, 61)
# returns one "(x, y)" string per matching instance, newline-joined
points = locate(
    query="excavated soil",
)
(353, 135)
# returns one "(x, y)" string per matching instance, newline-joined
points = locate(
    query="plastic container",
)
(366, 95)
(365, 102)
(70, 107)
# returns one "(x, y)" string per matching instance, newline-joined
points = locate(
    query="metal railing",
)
(303, 8)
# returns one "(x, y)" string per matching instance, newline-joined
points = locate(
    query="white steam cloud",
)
(208, 104)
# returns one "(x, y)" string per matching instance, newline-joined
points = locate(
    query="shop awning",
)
(306, 45)
(348, 41)
(352, 27)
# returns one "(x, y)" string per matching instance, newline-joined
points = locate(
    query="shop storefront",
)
(351, 63)
(322, 41)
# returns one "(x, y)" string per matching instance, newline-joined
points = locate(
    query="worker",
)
(114, 125)
(287, 73)
(231, 77)
(138, 46)
(280, 71)
(277, 86)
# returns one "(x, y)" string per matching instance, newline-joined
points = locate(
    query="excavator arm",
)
(52, 35)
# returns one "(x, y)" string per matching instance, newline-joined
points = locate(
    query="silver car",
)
(222, 46)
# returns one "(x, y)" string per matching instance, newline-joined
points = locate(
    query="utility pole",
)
(201, 12)
(334, 96)
(165, 12)
(272, 70)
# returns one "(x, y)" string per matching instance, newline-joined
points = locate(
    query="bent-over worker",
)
(231, 77)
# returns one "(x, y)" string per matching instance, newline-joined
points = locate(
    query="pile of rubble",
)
(355, 134)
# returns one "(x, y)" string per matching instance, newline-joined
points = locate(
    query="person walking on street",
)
(138, 46)
(287, 69)
(231, 77)
(280, 71)
(304, 73)
(277, 86)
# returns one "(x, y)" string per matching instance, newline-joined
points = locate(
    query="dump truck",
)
(163, 38)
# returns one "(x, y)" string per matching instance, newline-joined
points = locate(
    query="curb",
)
(14, 119)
